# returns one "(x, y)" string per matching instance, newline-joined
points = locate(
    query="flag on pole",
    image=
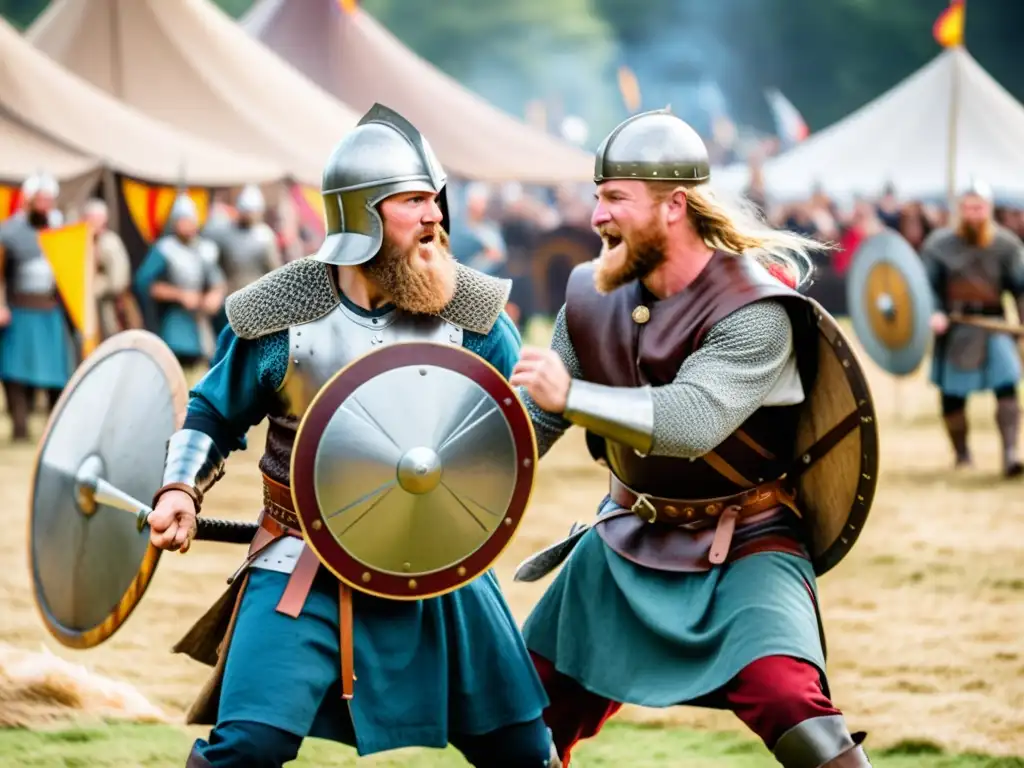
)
(10, 200)
(789, 123)
(70, 254)
(629, 87)
(949, 27)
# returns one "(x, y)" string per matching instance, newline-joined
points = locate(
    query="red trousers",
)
(771, 696)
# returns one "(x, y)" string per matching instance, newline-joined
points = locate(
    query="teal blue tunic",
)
(658, 639)
(425, 670)
(36, 348)
(171, 322)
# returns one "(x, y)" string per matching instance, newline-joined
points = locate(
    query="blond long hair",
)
(731, 223)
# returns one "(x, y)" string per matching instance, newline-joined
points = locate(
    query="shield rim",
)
(133, 339)
(307, 441)
(867, 471)
(913, 272)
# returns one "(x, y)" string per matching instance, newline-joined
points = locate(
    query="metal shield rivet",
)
(423, 371)
(366, 576)
(527, 462)
(641, 314)
(412, 583)
(461, 571)
(406, 566)
(508, 521)
(317, 525)
(508, 401)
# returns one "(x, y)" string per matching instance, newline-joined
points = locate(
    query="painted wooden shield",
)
(890, 302)
(90, 563)
(411, 470)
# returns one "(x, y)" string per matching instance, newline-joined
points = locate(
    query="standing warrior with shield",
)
(970, 267)
(36, 350)
(740, 437)
(451, 668)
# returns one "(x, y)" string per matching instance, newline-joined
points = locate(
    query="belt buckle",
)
(643, 503)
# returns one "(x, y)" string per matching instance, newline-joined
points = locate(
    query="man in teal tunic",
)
(181, 287)
(689, 364)
(451, 669)
(36, 348)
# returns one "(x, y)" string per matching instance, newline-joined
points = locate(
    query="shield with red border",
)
(411, 470)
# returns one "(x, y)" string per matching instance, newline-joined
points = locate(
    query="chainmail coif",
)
(718, 387)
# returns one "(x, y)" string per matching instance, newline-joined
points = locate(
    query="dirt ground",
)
(924, 618)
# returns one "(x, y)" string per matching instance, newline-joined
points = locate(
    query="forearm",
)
(718, 387)
(165, 292)
(193, 464)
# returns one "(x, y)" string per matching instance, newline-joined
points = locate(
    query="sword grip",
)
(225, 531)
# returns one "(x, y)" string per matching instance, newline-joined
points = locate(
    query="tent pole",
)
(954, 120)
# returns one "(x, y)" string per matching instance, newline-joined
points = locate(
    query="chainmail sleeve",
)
(720, 385)
(551, 426)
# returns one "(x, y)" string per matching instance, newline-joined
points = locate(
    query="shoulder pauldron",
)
(303, 291)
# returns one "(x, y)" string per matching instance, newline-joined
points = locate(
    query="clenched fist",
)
(544, 376)
(172, 524)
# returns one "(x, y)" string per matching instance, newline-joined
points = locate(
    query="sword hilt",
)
(225, 531)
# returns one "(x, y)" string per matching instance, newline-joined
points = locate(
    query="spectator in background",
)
(914, 225)
(116, 309)
(888, 209)
(476, 238)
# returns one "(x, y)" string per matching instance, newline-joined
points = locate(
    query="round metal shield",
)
(411, 470)
(89, 563)
(890, 302)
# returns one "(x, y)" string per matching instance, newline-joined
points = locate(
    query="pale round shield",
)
(835, 467)
(411, 470)
(890, 302)
(90, 564)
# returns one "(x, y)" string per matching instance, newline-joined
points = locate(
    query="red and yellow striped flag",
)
(949, 27)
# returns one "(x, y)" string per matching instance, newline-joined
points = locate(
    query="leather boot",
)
(17, 405)
(956, 427)
(1008, 421)
(821, 742)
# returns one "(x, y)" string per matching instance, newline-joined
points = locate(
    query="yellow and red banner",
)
(70, 253)
(10, 200)
(310, 205)
(348, 6)
(949, 27)
(149, 206)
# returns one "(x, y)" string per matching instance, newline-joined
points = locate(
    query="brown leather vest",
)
(616, 350)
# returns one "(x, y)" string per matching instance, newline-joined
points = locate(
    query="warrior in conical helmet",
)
(695, 371)
(970, 266)
(181, 287)
(448, 669)
(36, 350)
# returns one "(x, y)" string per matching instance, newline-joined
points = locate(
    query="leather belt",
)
(697, 514)
(721, 513)
(279, 519)
(32, 300)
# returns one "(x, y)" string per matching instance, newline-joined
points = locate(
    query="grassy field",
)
(636, 746)
(924, 618)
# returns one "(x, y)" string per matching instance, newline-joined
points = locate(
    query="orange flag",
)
(949, 27)
(149, 206)
(348, 6)
(10, 199)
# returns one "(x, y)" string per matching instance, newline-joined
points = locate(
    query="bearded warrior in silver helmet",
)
(970, 266)
(36, 349)
(710, 389)
(181, 287)
(449, 669)
(247, 245)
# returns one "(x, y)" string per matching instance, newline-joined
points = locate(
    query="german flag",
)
(949, 27)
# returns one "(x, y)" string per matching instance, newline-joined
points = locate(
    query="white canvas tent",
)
(902, 137)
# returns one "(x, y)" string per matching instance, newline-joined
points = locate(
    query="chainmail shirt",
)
(718, 387)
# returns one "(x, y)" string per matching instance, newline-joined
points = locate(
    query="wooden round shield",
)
(90, 565)
(411, 470)
(836, 459)
(890, 302)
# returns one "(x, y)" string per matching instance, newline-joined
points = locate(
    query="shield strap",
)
(825, 443)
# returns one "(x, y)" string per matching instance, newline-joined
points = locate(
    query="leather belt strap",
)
(280, 519)
(31, 300)
(722, 512)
